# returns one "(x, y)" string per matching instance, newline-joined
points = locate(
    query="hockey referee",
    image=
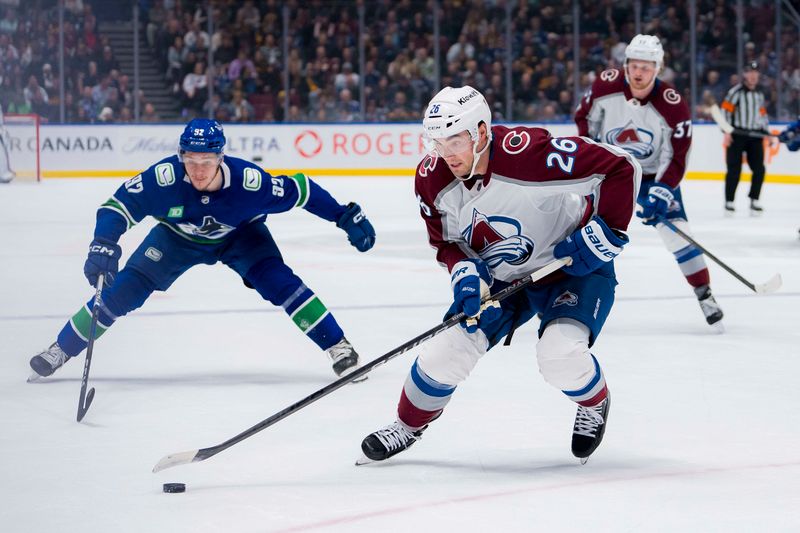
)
(745, 110)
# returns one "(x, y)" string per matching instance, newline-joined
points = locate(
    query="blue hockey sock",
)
(74, 336)
(313, 318)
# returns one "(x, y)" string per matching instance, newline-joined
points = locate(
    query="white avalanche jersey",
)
(656, 130)
(537, 190)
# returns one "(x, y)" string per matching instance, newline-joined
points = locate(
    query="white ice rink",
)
(704, 432)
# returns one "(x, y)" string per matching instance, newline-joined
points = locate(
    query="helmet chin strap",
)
(476, 156)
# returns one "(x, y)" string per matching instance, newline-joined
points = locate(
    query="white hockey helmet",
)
(645, 48)
(456, 109)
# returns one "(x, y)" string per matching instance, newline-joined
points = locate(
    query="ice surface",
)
(703, 434)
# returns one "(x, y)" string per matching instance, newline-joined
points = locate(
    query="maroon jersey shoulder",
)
(517, 151)
(608, 82)
(670, 104)
(431, 177)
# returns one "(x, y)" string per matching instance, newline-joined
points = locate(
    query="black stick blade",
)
(83, 409)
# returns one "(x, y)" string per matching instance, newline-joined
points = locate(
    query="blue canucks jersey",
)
(248, 194)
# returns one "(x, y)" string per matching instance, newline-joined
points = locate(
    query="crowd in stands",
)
(95, 89)
(247, 66)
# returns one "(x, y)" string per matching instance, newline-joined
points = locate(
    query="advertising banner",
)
(317, 149)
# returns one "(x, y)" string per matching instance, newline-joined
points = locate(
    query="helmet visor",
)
(450, 146)
(200, 160)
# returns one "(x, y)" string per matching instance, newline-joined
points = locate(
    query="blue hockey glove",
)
(791, 136)
(360, 232)
(103, 259)
(590, 247)
(655, 206)
(470, 281)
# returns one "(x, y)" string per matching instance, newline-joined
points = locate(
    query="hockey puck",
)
(174, 487)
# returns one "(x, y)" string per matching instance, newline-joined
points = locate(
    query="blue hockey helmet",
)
(203, 135)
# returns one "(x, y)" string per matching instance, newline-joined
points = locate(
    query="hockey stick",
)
(726, 127)
(771, 285)
(202, 454)
(85, 399)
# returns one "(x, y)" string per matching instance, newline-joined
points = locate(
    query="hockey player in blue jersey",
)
(210, 207)
(791, 136)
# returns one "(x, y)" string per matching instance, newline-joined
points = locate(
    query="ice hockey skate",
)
(387, 442)
(345, 359)
(590, 425)
(710, 307)
(47, 362)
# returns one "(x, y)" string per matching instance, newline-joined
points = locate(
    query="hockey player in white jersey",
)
(498, 204)
(6, 174)
(633, 109)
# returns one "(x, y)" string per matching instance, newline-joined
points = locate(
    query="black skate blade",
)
(584, 460)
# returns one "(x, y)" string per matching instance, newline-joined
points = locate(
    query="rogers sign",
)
(309, 144)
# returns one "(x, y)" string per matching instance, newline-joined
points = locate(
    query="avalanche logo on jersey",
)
(634, 140)
(210, 229)
(498, 239)
(566, 298)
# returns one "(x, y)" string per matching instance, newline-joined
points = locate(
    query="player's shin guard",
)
(689, 258)
(312, 317)
(693, 266)
(422, 399)
(74, 336)
(421, 402)
(595, 389)
(129, 292)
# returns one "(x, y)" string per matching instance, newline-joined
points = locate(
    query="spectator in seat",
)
(87, 107)
(196, 38)
(107, 61)
(102, 91)
(241, 109)
(243, 68)
(149, 114)
(194, 85)
(399, 110)
(347, 110)
(346, 79)
(34, 91)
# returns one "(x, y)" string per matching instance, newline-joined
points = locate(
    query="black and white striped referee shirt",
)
(744, 108)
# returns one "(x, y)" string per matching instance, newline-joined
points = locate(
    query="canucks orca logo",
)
(498, 239)
(633, 139)
(210, 229)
